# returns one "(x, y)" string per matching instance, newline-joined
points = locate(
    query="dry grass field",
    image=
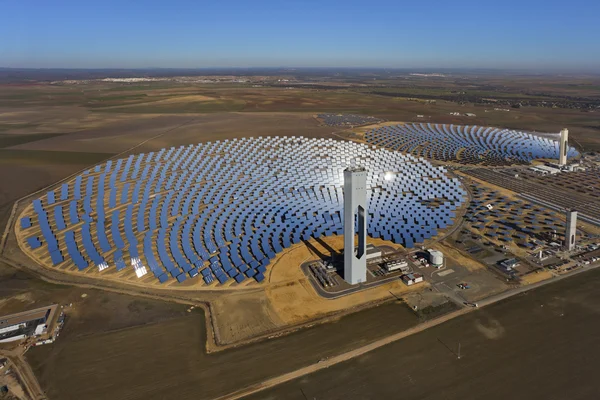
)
(168, 360)
(48, 132)
(288, 299)
(122, 347)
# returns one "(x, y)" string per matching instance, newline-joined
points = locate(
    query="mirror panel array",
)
(466, 144)
(221, 211)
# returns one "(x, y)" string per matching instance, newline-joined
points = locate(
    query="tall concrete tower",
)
(355, 203)
(564, 147)
(570, 230)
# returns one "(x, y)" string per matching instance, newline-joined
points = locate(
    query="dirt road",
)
(342, 357)
(28, 380)
(387, 340)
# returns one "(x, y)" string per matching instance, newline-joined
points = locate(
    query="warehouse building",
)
(25, 324)
(411, 279)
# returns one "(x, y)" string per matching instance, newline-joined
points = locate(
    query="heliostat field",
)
(466, 144)
(223, 210)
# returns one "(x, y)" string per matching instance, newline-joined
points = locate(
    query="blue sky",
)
(229, 33)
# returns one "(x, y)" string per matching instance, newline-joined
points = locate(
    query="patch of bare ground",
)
(15, 390)
(535, 277)
(293, 297)
(240, 316)
(466, 262)
(170, 100)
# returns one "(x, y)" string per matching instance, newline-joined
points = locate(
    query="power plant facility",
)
(570, 230)
(564, 147)
(355, 204)
(218, 213)
(246, 213)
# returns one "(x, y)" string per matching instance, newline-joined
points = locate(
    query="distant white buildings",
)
(457, 114)
(132, 80)
(429, 75)
(544, 170)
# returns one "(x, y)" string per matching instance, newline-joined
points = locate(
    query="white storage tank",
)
(436, 258)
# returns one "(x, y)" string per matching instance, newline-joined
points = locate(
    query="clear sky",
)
(533, 34)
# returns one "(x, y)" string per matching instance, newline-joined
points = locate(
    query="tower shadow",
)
(334, 253)
(315, 250)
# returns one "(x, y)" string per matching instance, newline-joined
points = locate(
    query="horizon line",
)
(556, 70)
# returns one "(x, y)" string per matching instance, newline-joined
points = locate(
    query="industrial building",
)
(355, 206)
(411, 279)
(509, 264)
(25, 324)
(372, 252)
(396, 265)
(544, 170)
(570, 230)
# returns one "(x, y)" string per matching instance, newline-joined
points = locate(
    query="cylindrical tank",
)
(436, 258)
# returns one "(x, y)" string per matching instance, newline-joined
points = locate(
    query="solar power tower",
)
(571, 230)
(355, 204)
(564, 147)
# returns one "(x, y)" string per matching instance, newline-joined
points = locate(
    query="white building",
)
(545, 170)
(372, 252)
(411, 279)
(396, 265)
